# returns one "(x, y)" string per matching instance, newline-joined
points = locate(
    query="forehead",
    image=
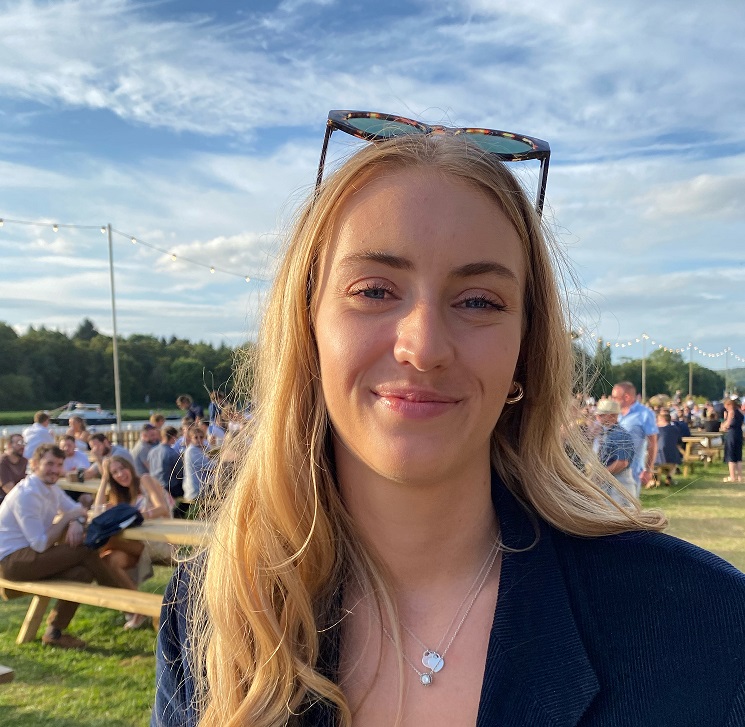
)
(411, 212)
(49, 457)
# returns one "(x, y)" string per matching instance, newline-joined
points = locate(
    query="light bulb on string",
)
(134, 240)
(212, 270)
(55, 228)
(248, 280)
(173, 257)
(2, 221)
(103, 230)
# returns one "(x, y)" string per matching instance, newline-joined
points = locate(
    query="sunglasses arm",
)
(543, 178)
(322, 162)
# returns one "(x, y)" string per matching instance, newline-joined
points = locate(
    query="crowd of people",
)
(642, 445)
(42, 523)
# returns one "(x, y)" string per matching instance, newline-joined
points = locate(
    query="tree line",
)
(666, 372)
(44, 369)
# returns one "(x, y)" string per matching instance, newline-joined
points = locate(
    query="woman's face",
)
(418, 325)
(120, 474)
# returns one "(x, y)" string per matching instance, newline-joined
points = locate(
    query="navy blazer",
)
(632, 630)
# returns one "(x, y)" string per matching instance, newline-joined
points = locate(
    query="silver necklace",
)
(434, 659)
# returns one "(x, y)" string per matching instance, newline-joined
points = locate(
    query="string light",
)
(669, 349)
(136, 241)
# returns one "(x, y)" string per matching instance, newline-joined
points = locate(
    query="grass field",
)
(13, 418)
(112, 683)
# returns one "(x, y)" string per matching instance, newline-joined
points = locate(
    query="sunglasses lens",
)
(382, 128)
(499, 144)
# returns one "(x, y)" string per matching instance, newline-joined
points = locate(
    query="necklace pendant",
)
(432, 661)
(425, 679)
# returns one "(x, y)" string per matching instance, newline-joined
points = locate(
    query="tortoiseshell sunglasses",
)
(506, 146)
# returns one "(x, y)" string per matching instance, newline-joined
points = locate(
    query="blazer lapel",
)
(537, 670)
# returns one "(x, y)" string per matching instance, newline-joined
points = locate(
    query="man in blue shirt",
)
(639, 421)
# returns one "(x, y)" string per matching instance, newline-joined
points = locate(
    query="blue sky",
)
(196, 126)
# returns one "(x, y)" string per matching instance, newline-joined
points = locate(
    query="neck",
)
(13, 457)
(431, 537)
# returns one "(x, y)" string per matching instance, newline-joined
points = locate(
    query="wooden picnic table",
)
(701, 448)
(89, 486)
(167, 530)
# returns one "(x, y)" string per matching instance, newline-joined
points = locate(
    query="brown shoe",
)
(64, 641)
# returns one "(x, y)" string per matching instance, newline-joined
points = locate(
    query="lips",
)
(415, 403)
(419, 396)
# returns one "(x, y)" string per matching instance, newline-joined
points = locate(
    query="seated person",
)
(12, 465)
(149, 437)
(76, 462)
(669, 439)
(41, 536)
(198, 466)
(121, 484)
(102, 449)
(157, 420)
(711, 423)
(165, 464)
(80, 432)
(183, 441)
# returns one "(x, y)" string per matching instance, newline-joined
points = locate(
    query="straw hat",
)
(608, 406)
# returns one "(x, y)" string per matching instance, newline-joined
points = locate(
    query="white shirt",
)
(27, 514)
(197, 470)
(78, 461)
(35, 435)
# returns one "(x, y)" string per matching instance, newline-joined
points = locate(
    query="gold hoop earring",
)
(519, 393)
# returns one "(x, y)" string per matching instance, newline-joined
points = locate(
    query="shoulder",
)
(654, 580)
(175, 684)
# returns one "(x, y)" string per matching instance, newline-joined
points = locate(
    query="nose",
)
(423, 338)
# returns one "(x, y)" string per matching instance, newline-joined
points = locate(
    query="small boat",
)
(91, 414)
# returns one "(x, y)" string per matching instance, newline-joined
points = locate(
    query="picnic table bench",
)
(702, 449)
(120, 599)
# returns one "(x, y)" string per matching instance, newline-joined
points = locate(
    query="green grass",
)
(12, 418)
(706, 511)
(112, 683)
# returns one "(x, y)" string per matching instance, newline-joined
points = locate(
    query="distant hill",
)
(737, 377)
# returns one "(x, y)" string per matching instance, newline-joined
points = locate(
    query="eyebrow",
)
(483, 267)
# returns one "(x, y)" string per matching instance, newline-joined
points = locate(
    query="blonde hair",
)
(283, 545)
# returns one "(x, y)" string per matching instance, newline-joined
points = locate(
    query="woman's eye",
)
(482, 302)
(373, 291)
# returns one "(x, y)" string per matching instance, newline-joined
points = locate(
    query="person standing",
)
(41, 536)
(38, 433)
(12, 465)
(639, 421)
(733, 439)
(615, 449)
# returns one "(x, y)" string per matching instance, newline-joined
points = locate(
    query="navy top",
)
(632, 630)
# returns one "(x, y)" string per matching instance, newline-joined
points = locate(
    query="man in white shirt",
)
(75, 462)
(198, 467)
(74, 458)
(34, 546)
(38, 433)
